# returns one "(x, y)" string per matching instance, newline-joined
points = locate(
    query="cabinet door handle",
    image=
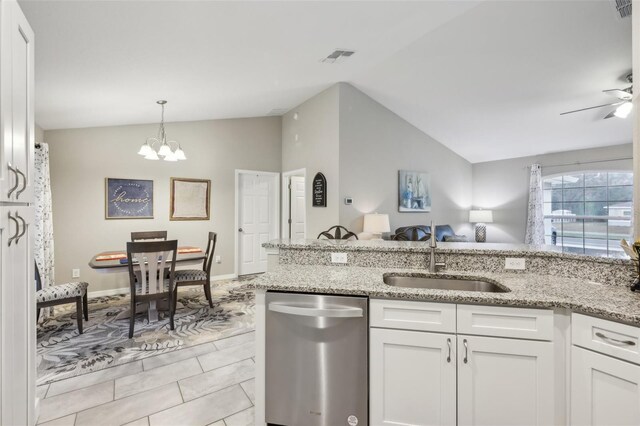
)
(17, 229)
(466, 351)
(24, 183)
(449, 354)
(24, 227)
(15, 173)
(616, 341)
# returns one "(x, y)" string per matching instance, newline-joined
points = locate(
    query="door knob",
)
(239, 229)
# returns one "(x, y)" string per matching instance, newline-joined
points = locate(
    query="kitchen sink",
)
(443, 283)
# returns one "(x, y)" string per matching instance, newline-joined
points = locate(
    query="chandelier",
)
(164, 148)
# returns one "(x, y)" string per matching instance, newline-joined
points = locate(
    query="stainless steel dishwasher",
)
(317, 351)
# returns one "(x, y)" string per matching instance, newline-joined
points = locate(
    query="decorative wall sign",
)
(319, 195)
(128, 199)
(190, 199)
(414, 191)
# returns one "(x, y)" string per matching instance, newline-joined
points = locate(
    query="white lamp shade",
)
(164, 150)
(152, 155)
(180, 154)
(145, 149)
(480, 216)
(375, 223)
(171, 156)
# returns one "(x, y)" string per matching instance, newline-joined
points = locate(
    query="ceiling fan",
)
(623, 105)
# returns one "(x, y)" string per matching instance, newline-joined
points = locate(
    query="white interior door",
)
(297, 212)
(257, 220)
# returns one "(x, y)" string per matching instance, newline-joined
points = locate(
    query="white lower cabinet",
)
(604, 390)
(505, 381)
(412, 378)
(434, 378)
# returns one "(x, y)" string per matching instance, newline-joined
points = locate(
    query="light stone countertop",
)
(615, 303)
(494, 249)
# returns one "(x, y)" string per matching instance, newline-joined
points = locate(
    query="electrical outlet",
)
(218, 259)
(338, 257)
(75, 273)
(517, 263)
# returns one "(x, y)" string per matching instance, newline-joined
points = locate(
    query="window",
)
(589, 212)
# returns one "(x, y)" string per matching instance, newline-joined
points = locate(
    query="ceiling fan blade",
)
(619, 93)
(593, 107)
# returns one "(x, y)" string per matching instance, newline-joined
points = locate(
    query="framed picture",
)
(190, 199)
(414, 192)
(128, 199)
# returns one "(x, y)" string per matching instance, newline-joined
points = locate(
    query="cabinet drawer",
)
(607, 337)
(521, 323)
(409, 315)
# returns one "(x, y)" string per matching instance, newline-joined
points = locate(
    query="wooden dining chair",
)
(62, 294)
(149, 235)
(147, 278)
(188, 277)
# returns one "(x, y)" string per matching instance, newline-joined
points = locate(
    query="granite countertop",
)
(615, 303)
(494, 249)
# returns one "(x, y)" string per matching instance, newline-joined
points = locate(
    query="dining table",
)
(116, 261)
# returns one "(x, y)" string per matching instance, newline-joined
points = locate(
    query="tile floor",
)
(209, 384)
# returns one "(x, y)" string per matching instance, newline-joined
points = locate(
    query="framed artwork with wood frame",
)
(190, 199)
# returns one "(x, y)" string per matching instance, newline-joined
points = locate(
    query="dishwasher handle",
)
(346, 312)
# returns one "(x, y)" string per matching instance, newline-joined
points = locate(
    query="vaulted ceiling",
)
(487, 79)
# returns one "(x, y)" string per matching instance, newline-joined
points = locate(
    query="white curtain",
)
(535, 211)
(43, 244)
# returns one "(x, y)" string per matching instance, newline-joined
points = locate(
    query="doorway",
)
(257, 215)
(294, 204)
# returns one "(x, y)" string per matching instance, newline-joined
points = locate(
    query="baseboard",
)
(110, 292)
(124, 290)
(224, 277)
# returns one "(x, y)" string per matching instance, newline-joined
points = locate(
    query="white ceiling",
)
(487, 79)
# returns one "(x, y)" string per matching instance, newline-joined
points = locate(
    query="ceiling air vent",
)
(623, 7)
(338, 55)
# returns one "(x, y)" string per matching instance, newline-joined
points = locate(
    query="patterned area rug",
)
(63, 353)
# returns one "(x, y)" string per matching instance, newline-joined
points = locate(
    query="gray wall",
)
(317, 150)
(503, 186)
(374, 144)
(81, 159)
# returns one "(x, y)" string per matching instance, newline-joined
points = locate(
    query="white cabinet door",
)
(505, 381)
(16, 104)
(604, 390)
(17, 316)
(412, 378)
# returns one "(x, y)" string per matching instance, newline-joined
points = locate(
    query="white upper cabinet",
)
(16, 104)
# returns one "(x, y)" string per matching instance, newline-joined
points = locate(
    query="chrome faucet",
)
(433, 266)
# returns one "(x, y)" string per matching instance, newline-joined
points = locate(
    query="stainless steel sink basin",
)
(443, 283)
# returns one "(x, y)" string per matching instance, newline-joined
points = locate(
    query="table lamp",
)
(375, 224)
(480, 218)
